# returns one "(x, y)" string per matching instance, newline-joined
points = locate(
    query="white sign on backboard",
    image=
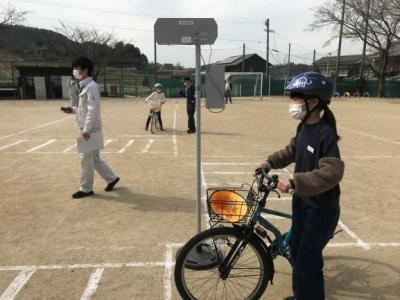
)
(185, 31)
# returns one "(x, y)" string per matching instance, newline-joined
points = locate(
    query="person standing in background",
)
(190, 93)
(228, 91)
(73, 90)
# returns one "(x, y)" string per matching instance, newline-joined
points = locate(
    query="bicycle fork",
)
(231, 259)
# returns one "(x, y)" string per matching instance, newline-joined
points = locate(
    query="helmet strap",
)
(308, 114)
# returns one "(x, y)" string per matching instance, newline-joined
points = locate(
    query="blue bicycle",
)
(234, 258)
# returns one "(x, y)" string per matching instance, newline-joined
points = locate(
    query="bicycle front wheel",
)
(248, 278)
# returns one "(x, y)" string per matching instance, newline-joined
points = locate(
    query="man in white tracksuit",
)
(88, 120)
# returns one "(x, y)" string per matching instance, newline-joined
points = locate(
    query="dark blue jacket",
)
(189, 93)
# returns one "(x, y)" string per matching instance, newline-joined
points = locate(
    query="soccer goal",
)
(246, 84)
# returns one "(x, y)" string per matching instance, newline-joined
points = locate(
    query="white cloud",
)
(237, 20)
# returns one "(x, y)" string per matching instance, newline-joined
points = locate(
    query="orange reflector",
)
(229, 205)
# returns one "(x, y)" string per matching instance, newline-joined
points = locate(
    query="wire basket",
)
(231, 205)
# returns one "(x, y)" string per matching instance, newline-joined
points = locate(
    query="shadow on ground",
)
(349, 277)
(148, 203)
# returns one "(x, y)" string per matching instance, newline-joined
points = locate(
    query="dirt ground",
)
(122, 244)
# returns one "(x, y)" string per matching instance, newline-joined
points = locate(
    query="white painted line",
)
(148, 146)
(228, 164)
(370, 135)
(18, 283)
(92, 284)
(36, 127)
(41, 146)
(143, 136)
(344, 245)
(353, 235)
(85, 266)
(108, 142)
(69, 148)
(372, 157)
(204, 197)
(287, 171)
(126, 146)
(236, 173)
(169, 264)
(13, 144)
(174, 139)
(269, 216)
(168, 273)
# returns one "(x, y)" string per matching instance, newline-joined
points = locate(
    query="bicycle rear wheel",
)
(248, 278)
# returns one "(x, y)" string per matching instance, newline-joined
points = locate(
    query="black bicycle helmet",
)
(311, 84)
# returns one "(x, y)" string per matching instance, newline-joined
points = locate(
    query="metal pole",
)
(364, 50)
(339, 48)
(262, 82)
(198, 140)
(267, 54)
(269, 85)
(244, 57)
(155, 58)
(313, 64)
(288, 63)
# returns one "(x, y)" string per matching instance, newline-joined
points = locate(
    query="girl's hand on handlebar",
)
(264, 164)
(284, 186)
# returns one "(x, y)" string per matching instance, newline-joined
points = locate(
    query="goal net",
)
(246, 84)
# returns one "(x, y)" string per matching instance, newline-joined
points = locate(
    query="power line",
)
(92, 24)
(242, 21)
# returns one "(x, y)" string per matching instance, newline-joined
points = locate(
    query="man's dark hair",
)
(187, 79)
(84, 63)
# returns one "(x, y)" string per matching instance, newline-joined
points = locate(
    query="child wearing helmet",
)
(318, 171)
(154, 101)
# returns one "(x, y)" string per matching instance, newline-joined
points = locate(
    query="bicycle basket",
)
(231, 205)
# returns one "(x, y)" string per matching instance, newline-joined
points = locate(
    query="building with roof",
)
(350, 65)
(252, 63)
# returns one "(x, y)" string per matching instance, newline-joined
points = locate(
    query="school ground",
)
(122, 245)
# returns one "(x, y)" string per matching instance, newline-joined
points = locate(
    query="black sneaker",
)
(110, 186)
(190, 131)
(80, 194)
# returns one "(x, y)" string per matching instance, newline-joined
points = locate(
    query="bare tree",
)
(96, 45)
(9, 15)
(383, 28)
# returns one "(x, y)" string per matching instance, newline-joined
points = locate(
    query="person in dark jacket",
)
(190, 94)
(318, 171)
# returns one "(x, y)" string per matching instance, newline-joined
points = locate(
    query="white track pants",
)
(91, 161)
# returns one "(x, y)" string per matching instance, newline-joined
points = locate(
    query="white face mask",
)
(76, 74)
(296, 112)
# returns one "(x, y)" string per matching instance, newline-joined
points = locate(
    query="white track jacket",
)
(88, 117)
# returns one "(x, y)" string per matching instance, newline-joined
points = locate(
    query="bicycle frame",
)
(282, 244)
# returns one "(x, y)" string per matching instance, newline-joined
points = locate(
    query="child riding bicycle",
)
(154, 101)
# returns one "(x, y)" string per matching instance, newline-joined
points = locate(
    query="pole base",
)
(202, 257)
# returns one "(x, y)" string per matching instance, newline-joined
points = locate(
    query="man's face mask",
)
(296, 111)
(76, 74)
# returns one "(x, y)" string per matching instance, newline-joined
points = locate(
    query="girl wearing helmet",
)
(154, 101)
(318, 171)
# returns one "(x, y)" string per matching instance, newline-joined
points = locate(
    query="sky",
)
(238, 22)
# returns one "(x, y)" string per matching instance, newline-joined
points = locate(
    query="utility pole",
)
(244, 57)
(361, 88)
(288, 63)
(339, 48)
(155, 58)
(267, 56)
(313, 62)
